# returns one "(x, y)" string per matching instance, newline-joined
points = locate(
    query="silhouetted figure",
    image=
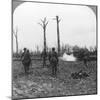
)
(86, 59)
(53, 59)
(26, 60)
(44, 55)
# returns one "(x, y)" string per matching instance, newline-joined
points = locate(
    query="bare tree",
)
(44, 24)
(15, 33)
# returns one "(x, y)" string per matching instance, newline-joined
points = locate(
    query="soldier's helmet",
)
(53, 49)
(24, 49)
(28, 51)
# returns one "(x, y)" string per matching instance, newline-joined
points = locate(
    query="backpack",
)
(53, 58)
(26, 58)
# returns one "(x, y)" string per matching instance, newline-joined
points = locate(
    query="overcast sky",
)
(77, 25)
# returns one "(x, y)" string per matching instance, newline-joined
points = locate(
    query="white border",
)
(5, 50)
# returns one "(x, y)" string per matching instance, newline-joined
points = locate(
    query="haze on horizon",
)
(77, 25)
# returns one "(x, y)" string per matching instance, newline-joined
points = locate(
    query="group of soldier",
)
(52, 57)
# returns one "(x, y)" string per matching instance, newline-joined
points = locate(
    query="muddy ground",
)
(40, 83)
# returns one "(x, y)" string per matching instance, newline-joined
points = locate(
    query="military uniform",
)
(53, 59)
(26, 61)
(44, 55)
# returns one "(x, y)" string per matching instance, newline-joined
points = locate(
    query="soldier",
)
(44, 55)
(86, 58)
(22, 56)
(26, 60)
(53, 59)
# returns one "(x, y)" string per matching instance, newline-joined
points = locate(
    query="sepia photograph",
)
(54, 49)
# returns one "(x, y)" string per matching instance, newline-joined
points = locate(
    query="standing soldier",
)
(26, 60)
(44, 55)
(86, 58)
(53, 59)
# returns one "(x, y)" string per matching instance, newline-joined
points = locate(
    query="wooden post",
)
(58, 35)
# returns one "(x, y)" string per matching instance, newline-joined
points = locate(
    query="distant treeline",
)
(78, 52)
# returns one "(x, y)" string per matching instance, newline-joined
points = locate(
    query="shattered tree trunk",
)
(16, 44)
(16, 37)
(44, 58)
(44, 24)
